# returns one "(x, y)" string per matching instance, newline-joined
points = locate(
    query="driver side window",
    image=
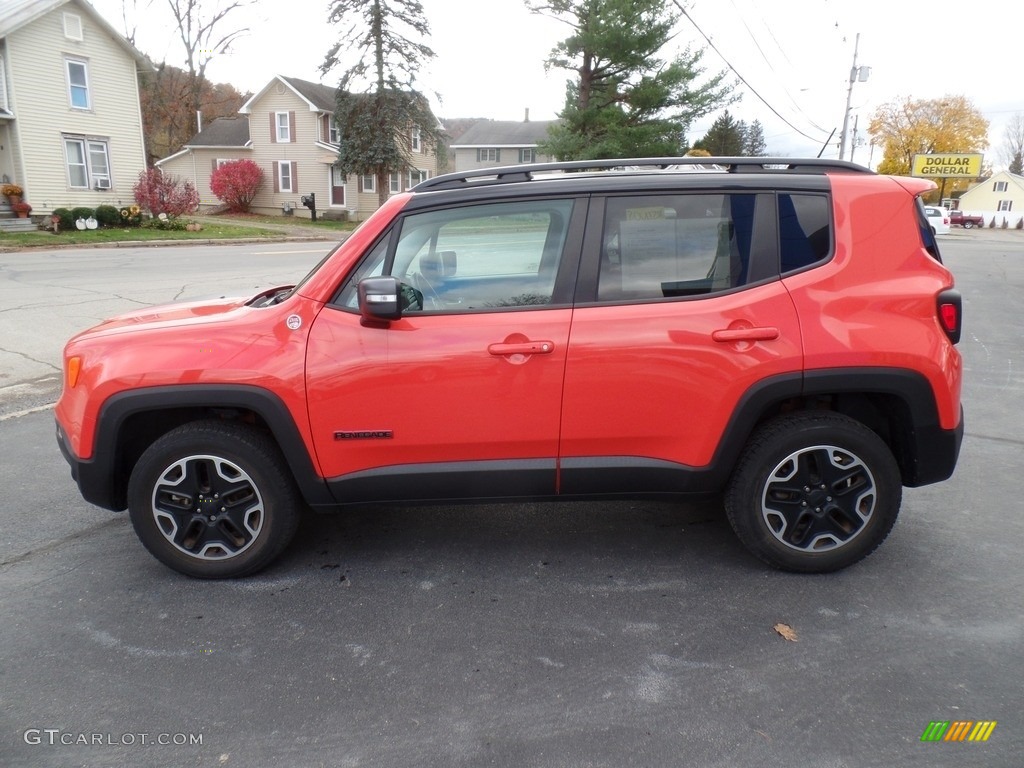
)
(483, 258)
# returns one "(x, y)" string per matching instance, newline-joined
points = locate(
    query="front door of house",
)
(337, 186)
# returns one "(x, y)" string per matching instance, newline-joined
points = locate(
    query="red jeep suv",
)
(780, 332)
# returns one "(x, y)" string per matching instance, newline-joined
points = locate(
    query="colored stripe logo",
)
(959, 730)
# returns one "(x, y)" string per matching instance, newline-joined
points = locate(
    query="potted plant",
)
(22, 209)
(12, 192)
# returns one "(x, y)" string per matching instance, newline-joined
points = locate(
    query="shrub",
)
(108, 216)
(67, 219)
(158, 192)
(81, 212)
(992, 223)
(167, 223)
(1020, 223)
(236, 184)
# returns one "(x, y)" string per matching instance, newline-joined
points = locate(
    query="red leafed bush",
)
(236, 184)
(159, 192)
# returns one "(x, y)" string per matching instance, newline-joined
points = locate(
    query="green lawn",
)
(226, 227)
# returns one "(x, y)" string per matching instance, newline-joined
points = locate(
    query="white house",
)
(999, 198)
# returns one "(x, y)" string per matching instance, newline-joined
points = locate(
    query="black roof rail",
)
(527, 172)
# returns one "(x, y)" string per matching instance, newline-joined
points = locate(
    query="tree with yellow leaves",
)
(926, 126)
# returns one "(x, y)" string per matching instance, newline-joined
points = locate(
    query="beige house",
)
(288, 130)
(1000, 197)
(492, 143)
(70, 121)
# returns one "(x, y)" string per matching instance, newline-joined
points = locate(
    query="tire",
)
(968, 225)
(814, 492)
(214, 500)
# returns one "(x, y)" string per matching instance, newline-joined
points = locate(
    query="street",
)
(583, 634)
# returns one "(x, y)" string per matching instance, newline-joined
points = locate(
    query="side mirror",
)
(380, 298)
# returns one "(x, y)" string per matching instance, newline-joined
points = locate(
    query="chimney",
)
(527, 118)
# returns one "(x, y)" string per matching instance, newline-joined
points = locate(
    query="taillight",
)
(950, 308)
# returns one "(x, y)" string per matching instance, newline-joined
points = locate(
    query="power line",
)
(771, 67)
(736, 72)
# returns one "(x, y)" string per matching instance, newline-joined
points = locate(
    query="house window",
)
(488, 155)
(78, 84)
(285, 177)
(394, 183)
(527, 155)
(3, 86)
(333, 132)
(1005, 205)
(415, 139)
(416, 176)
(999, 186)
(284, 127)
(88, 163)
(369, 183)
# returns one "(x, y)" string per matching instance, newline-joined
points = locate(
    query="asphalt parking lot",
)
(578, 635)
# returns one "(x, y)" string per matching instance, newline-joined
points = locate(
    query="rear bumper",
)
(937, 453)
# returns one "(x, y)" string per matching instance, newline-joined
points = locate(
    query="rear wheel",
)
(968, 225)
(814, 492)
(213, 500)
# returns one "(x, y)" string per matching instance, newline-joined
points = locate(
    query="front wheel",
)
(814, 492)
(213, 500)
(968, 225)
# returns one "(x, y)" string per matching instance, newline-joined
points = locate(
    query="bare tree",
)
(1012, 151)
(202, 32)
(129, 17)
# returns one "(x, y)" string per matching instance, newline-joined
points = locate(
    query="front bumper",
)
(94, 478)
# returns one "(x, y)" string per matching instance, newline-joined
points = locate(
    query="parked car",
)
(965, 220)
(566, 331)
(938, 218)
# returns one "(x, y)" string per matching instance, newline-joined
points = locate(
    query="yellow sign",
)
(962, 166)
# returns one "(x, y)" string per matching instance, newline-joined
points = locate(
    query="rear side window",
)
(668, 246)
(805, 232)
(927, 236)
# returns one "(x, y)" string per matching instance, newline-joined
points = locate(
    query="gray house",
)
(490, 143)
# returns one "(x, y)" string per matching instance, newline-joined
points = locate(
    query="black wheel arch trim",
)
(102, 479)
(928, 452)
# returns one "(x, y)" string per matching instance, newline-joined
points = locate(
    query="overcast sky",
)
(795, 57)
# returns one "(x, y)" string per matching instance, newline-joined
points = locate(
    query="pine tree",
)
(378, 106)
(724, 138)
(625, 100)
(753, 143)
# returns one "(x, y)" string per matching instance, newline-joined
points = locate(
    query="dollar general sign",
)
(929, 166)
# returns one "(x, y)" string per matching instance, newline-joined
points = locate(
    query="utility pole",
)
(857, 74)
